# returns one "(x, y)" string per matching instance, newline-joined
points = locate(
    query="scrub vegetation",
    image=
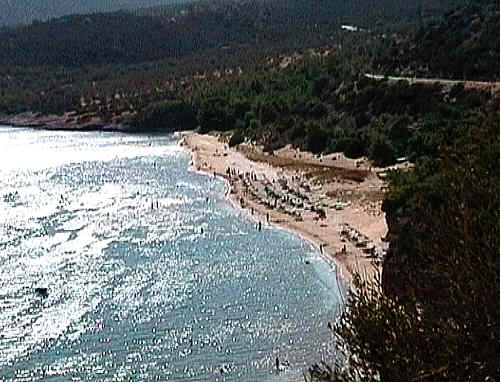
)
(285, 72)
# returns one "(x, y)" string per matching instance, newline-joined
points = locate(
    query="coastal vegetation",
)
(112, 63)
(323, 105)
(300, 86)
(434, 315)
(285, 73)
(463, 44)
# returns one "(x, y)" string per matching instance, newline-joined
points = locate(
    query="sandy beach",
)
(333, 201)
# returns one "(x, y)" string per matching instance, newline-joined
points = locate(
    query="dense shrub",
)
(353, 147)
(435, 316)
(215, 114)
(317, 140)
(166, 116)
(236, 138)
(382, 152)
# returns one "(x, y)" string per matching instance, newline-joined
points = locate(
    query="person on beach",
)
(267, 217)
(260, 226)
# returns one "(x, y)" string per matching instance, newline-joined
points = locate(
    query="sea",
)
(118, 262)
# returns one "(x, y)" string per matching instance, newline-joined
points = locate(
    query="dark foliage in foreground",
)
(439, 318)
(436, 316)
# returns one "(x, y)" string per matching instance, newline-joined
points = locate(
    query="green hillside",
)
(26, 11)
(464, 44)
(282, 72)
(179, 30)
(125, 38)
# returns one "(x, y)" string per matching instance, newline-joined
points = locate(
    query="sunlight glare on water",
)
(111, 225)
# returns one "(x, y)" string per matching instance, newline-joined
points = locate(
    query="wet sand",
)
(331, 200)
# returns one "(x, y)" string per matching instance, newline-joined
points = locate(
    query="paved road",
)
(413, 80)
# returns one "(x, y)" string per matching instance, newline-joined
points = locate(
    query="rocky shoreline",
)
(69, 121)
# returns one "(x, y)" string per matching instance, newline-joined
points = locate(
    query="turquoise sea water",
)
(152, 274)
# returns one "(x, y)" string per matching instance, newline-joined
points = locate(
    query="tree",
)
(317, 139)
(382, 152)
(166, 116)
(214, 114)
(435, 315)
(236, 138)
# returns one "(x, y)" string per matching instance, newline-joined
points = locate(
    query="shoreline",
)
(248, 180)
(69, 121)
(342, 282)
(349, 234)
